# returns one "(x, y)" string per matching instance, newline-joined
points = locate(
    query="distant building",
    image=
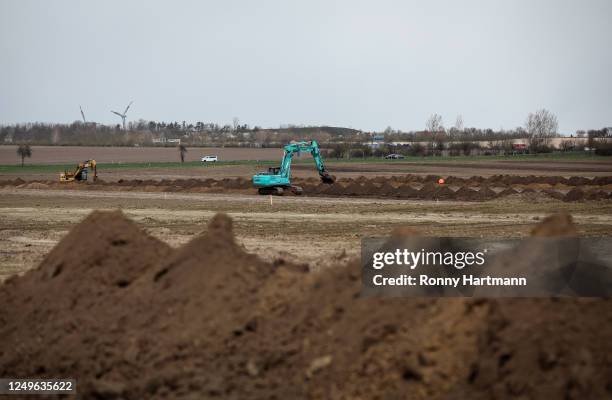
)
(163, 140)
(377, 141)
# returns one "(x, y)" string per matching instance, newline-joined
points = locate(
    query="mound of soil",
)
(310, 189)
(486, 193)
(507, 192)
(574, 195)
(386, 189)
(553, 180)
(35, 185)
(475, 180)
(359, 187)
(407, 192)
(602, 180)
(561, 224)
(12, 182)
(356, 189)
(464, 193)
(361, 179)
(429, 179)
(77, 299)
(337, 189)
(517, 180)
(427, 191)
(495, 179)
(578, 181)
(443, 192)
(407, 178)
(555, 194)
(596, 195)
(455, 180)
(380, 180)
(131, 318)
(528, 190)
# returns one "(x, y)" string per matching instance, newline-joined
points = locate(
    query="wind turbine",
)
(83, 115)
(124, 115)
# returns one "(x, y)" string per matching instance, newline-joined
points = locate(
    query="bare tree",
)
(541, 126)
(182, 151)
(568, 145)
(436, 132)
(235, 123)
(434, 124)
(23, 151)
(506, 145)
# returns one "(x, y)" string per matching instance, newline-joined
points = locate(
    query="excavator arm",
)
(308, 147)
(316, 155)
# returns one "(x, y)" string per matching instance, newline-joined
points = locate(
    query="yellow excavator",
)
(81, 172)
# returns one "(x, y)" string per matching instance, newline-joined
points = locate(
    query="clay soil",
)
(130, 317)
(72, 154)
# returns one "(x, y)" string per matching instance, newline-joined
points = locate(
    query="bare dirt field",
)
(328, 221)
(73, 154)
(314, 230)
(199, 288)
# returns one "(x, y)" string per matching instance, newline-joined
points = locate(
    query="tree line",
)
(539, 128)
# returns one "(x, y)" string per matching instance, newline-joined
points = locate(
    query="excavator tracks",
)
(280, 191)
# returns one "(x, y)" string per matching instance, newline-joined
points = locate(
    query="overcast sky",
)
(363, 64)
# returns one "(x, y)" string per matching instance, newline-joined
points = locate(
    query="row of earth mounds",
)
(390, 188)
(129, 317)
(463, 193)
(494, 180)
(191, 183)
(399, 187)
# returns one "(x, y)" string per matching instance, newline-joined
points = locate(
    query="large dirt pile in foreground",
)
(131, 318)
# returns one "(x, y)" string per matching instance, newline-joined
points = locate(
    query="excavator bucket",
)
(327, 178)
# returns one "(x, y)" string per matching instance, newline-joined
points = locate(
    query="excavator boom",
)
(278, 179)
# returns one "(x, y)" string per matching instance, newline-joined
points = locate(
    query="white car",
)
(210, 159)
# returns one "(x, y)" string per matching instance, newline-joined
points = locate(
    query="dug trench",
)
(407, 186)
(129, 317)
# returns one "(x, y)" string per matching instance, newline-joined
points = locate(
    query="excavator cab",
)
(81, 176)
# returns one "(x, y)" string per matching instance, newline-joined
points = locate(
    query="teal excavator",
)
(278, 179)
